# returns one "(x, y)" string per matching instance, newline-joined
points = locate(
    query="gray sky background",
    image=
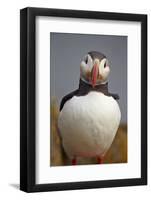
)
(66, 52)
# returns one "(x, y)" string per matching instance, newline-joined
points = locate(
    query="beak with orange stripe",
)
(94, 68)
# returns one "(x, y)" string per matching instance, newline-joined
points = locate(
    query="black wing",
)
(67, 97)
(115, 96)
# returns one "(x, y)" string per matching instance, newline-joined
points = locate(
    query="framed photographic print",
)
(83, 99)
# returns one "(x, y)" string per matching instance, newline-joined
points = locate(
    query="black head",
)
(96, 55)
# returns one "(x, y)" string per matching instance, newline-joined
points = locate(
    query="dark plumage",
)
(96, 54)
(84, 89)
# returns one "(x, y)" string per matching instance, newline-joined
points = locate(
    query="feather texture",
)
(88, 124)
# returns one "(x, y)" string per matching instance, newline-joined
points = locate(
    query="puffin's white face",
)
(94, 71)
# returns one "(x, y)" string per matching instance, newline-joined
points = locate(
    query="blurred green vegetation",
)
(116, 154)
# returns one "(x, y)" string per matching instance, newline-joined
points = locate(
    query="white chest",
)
(88, 124)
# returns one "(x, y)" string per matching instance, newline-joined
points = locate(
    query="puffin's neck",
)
(85, 88)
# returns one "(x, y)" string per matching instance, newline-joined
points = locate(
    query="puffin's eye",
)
(86, 59)
(105, 65)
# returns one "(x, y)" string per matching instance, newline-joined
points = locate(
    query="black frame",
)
(27, 99)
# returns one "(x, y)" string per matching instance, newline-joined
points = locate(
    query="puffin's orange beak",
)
(95, 72)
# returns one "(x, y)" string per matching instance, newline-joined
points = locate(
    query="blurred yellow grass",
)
(116, 154)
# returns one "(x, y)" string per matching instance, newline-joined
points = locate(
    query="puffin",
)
(89, 117)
